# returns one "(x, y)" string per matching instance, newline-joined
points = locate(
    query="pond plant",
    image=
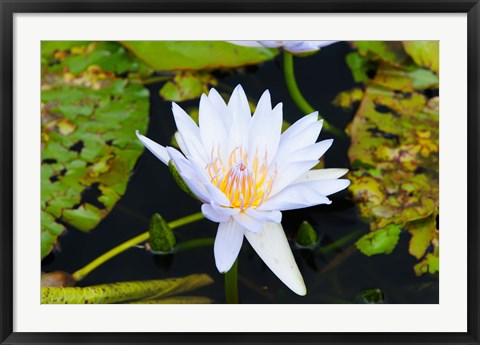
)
(246, 163)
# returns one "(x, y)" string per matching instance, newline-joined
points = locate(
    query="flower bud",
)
(370, 296)
(162, 239)
(306, 235)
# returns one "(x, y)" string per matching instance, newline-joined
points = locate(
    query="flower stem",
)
(154, 80)
(339, 243)
(297, 96)
(196, 243)
(84, 271)
(231, 284)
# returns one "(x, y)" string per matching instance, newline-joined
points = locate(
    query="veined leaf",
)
(88, 140)
(125, 291)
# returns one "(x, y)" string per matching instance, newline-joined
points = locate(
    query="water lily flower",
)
(294, 47)
(246, 172)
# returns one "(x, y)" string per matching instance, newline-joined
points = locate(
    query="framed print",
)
(204, 172)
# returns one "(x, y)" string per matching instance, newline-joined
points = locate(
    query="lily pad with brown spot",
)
(88, 143)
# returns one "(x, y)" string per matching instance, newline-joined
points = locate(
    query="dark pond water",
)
(334, 277)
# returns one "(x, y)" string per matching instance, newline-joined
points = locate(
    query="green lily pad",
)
(140, 291)
(88, 143)
(405, 80)
(430, 264)
(346, 99)
(381, 241)
(388, 51)
(187, 85)
(424, 53)
(77, 56)
(360, 67)
(196, 55)
(423, 232)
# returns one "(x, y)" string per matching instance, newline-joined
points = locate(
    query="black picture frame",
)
(9, 7)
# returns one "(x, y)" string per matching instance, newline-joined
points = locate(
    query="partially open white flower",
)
(245, 171)
(294, 47)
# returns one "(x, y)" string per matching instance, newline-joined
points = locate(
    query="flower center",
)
(246, 182)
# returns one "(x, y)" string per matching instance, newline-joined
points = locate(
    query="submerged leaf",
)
(370, 296)
(125, 291)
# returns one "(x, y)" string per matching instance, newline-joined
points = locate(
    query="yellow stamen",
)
(245, 182)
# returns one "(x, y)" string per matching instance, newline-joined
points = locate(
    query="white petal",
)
(217, 195)
(264, 104)
(190, 134)
(212, 130)
(225, 210)
(294, 197)
(299, 125)
(305, 137)
(309, 153)
(324, 187)
(271, 44)
(248, 222)
(290, 173)
(272, 246)
(213, 215)
(158, 150)
(265, 129)
(221, 108)
(322, 174)
(238, 103)
(240, 112)
(265, 216)
(181, 144)
(227, 244)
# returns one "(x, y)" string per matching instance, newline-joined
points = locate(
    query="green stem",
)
(231, 284)
(84, 271)
(157, 79)
(339, 243)
(297, 96)
(199, 242)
